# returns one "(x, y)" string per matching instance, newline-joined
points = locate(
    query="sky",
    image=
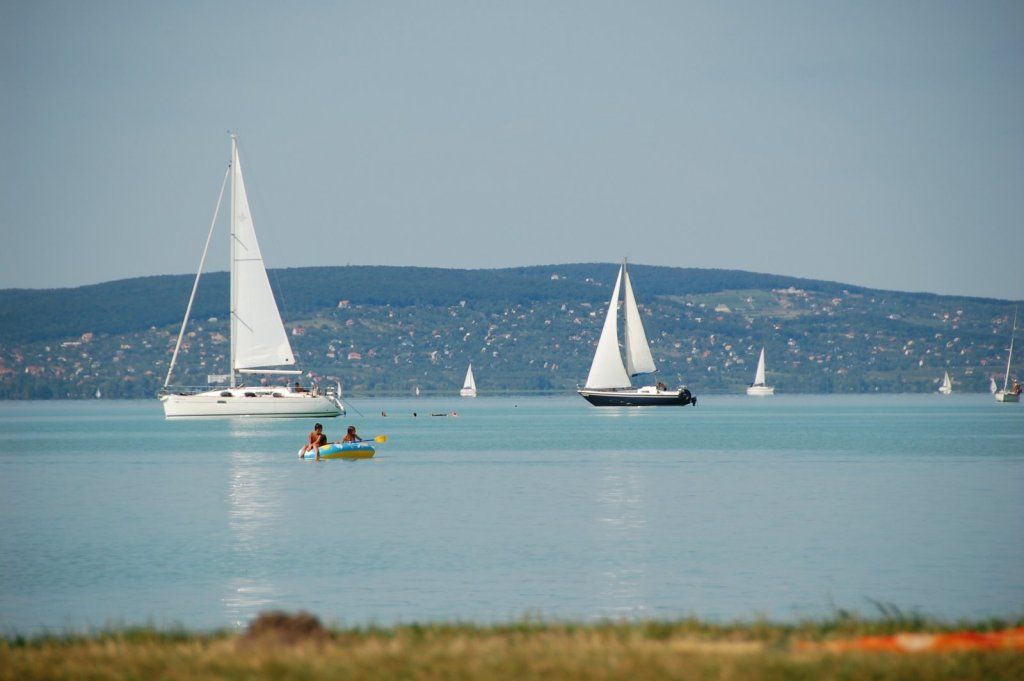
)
(875, 143)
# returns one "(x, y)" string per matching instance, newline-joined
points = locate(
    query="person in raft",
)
(351, 435)
(317, 439)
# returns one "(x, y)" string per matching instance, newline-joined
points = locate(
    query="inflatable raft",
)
(344, 450)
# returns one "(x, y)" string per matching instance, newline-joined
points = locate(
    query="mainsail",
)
(470, 382)
(607, 370)
(759, 377)
(258, 336)
(638, 351)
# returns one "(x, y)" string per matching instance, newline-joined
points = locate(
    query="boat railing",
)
(185, 390)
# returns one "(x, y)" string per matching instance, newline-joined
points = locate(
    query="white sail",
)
(258, 336)
(1009, 359)
(638, 351)
(759, 376)
(992, 387)
(469, 385)
(947, 384)
(607, 370)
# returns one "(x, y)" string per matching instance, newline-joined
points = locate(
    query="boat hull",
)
(1002, 396)
(468, 392)
(637, 398)
(761, 390)
(255, 402)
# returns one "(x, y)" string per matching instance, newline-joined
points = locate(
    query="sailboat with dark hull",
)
(609, 383)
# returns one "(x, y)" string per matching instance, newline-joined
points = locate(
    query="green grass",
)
(683, 649)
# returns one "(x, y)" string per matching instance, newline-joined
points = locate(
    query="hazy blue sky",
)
(875, 143)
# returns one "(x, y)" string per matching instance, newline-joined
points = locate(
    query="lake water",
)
(783, 507)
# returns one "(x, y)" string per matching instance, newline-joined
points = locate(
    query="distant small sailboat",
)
(469, 385)
(758, 387)
(98, 394)
(1008, 393)
(417, 391)
(609, 382)
(992, 387)
(947, 384)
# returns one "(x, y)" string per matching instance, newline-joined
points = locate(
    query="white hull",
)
(468, 392)
(943, 390)
(1004, 396)
(761, 390)
(260, 402)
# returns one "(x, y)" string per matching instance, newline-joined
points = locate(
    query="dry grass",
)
(282, 647)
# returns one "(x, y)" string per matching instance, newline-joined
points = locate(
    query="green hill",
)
(391, 329)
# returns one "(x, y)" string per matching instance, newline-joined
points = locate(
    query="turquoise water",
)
(783, 507)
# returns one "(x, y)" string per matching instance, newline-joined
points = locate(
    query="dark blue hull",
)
(632, 398)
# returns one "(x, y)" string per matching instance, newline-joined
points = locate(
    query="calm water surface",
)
(783, 507)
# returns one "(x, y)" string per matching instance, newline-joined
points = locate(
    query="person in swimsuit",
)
(317, 439)
(351, 435)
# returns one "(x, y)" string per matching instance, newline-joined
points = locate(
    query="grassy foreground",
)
(278, 646)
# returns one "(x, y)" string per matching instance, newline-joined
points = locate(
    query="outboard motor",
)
(687, 397)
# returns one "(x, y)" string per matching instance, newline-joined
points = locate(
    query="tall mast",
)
(231, 266)
(1009, 357)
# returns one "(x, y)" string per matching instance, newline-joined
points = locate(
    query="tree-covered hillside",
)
(392, 329)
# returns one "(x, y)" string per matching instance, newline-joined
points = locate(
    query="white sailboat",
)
(469, 385)
(1009, 393)
(758, 388)
(947, 384)
(609, 381)
(258, 337)
(992, 387)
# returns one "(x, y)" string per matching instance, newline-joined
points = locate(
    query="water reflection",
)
(253, 503)
(622, 544)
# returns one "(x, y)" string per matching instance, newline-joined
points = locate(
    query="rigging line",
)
(351, 405)
(280, 291)
(242, 321)
(199, 272)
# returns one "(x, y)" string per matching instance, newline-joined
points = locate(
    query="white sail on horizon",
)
(759, 378)
(638, 350)
(258, 335)
(607, 370)
(470, 382)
